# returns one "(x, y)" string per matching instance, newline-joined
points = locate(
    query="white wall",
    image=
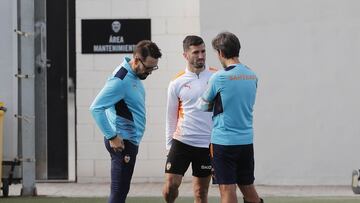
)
(8, 83)
(171, 21)
(306, 54)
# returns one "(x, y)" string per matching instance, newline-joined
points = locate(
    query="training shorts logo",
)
(206, 167)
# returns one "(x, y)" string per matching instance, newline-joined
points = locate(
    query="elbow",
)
(168, 142)
(167, 147)
(94, 110)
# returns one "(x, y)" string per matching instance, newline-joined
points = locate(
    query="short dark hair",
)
(227, 43)
(147, 48)
(192, 40)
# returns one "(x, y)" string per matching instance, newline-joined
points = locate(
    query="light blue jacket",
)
(119, 108)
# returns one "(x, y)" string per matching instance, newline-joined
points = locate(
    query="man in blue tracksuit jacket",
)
(119, 112)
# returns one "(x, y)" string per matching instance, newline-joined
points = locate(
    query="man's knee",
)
(171, 187)
(200, 192)
(201, 187)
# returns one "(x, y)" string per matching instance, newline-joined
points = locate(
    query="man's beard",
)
(142, 76)
(198, 65)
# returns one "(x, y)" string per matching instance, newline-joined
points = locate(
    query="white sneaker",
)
(355, 181)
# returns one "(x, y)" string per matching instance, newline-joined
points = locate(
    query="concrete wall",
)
(306, 55)
(8, 82)
(171, 21)
(304, 52)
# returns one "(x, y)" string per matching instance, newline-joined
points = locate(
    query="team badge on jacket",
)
(126, 158)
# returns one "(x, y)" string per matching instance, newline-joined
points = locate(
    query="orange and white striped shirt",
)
(184, 122)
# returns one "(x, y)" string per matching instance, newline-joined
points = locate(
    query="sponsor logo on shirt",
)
(242, 77)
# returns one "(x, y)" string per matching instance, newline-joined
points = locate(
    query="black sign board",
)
(113, 35)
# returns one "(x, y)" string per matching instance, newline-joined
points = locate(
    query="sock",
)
(261, 201)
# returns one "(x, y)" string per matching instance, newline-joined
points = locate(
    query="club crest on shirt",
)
(126, 158)
(168, 166)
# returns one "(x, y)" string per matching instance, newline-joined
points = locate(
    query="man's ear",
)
(136, 60)
(221, 53)
(185, 56)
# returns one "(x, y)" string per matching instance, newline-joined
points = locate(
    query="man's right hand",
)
(117, 144)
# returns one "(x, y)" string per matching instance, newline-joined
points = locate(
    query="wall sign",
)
(113, 35)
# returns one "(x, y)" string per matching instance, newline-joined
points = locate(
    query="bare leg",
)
(250, 194)
(228, 193)
(171, 187)
(201, 188)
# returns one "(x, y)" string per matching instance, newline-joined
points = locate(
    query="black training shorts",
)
(232, 164)
(181, 155)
